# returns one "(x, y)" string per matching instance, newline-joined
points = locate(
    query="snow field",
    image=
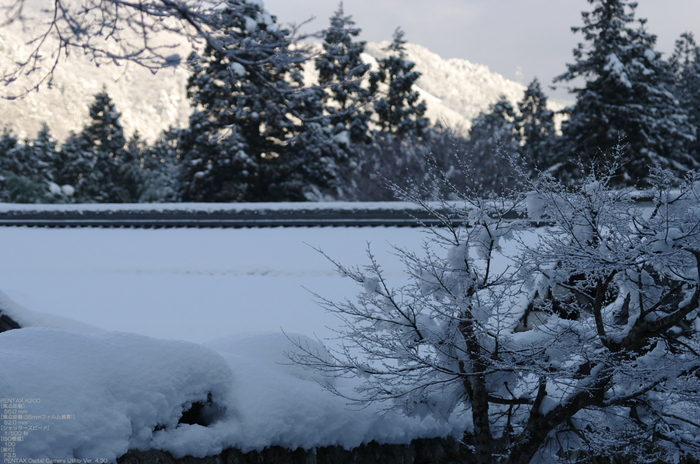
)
(190, 284)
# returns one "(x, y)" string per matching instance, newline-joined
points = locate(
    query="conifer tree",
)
(132, 176)
(627, 96)
(28, 169)
(76, 162)
(398, 109)
(45, 154)
(8, 163)
(38, 159)
(33, 158)
(685, 63)
(493, 137)
(240, 144)
(535, 124)
(8, 143)
(340, 69)
(161, 163)
(104, 140)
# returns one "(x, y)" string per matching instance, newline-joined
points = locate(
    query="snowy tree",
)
(628, 95)
(90, 161)
(29, 169)
(493, 138)
(240, 145)
(132, 176)
(75, 164)
(437, 166)
(8, 148)
(161, 163)
(398, 107)
(45, 154)
(39, 159)
(341, 69)
(34, 158)
(535, 124)
(685, 63)
(576, 341)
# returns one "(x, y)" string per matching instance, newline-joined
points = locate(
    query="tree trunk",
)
(475, 385)
(483, 441)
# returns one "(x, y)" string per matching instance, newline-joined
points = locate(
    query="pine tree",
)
(29, 169)
(161, 163)
(627, 96)
(398, 110)
(103, 144)
(340, 69)
(132, 176)
(493, 138)
(46, 154)
(9, 165)
(248, 108)
(39, 158)
(76, 162)
(685, 63)
(535, 124)
(8, 145)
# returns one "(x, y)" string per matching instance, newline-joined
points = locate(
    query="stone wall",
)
(424, 451)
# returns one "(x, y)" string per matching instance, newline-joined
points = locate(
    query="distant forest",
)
(258, 132)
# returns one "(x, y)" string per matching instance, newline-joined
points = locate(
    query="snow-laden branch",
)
(544, 336)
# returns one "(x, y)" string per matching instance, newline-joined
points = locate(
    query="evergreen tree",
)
(132, 176)
(493, 137)
(8, 144)
(106, 137)
(340, 69)
(161, 163)
(75, 163)
(685, 63)
(28, 169)
(398, 110)
(8, 163)
(535, 124)
(627, 95)
(90, 161)
(46, 154)
(249, 106)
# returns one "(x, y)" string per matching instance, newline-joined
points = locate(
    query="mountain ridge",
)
(455, 91)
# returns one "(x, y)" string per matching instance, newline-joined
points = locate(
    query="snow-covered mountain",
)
(455, 91)
(148, 102)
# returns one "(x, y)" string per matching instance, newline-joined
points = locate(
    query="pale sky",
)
(519, 39)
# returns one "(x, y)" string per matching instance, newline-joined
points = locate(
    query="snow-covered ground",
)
(130, 326)
(189, 284)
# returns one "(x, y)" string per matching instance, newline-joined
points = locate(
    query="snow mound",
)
(95, 396)
(99, 395)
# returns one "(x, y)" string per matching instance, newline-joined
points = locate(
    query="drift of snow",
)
(115, 389)
(105, 393)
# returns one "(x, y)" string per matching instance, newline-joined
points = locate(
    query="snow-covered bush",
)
(563, 322)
